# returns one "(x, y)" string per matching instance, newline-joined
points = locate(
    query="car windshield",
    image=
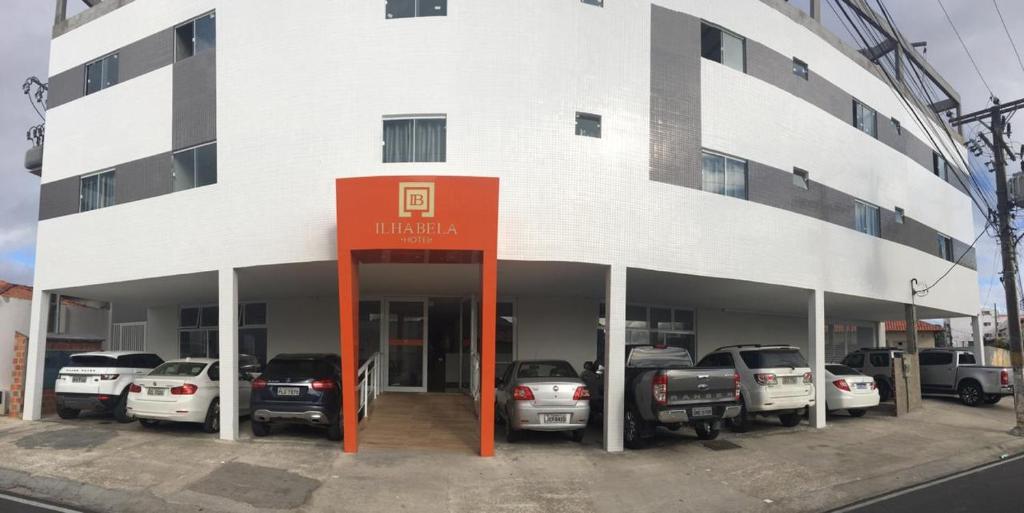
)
(183, 369)
(552, 369)
(842, 370)
(298, 368)
(773, 358)
(92, 360)
(643, 357)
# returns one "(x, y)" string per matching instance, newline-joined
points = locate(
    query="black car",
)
(298, 388)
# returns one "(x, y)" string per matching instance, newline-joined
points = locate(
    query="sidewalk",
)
(98, 464)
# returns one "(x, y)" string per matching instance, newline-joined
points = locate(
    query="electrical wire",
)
(963, 44)
(995, 262)
(924, 292)
(1008, 36)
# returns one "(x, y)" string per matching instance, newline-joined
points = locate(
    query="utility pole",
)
(1007, 242)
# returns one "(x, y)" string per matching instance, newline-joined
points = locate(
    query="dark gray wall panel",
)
(675, 98)
(59, 198)
(145, 55)
(774, 187)
(65, 86)
(143, 178)
(194, 111)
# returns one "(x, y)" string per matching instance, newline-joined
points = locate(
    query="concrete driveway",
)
(100, 465)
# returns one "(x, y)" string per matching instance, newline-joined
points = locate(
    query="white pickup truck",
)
(952, 371)
(99, 381)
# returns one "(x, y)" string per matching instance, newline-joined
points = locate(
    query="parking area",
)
(99, 464)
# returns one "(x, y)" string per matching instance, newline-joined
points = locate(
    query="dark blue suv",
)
(299, 388)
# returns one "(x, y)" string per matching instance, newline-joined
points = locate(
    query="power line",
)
(963, 44)
(924, 291)
(1008, 36)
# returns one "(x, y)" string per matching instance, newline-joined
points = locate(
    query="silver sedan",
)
(542, 395)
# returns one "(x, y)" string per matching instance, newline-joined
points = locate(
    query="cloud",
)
(15, 272)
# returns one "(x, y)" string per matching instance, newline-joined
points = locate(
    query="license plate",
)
(703, 411)
(78, 379)
(154, 391)
(555, 418)
(862, 386)
(790, 380)
(289, 391)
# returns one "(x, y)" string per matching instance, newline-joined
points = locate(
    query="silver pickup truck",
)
(951, 371)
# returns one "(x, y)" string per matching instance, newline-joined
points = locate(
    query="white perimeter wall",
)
(14, 316)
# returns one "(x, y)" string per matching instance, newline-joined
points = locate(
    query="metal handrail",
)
(368, 383)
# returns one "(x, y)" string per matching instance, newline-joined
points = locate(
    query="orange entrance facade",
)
(408, 215)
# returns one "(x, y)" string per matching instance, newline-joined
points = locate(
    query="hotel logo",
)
(416, 197)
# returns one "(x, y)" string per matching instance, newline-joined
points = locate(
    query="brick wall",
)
(18, 372)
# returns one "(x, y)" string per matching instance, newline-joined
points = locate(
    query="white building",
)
(751, 196)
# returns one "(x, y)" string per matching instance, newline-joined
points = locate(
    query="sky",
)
(25, 27)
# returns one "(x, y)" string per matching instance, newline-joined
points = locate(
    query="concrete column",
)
(36, 357)
(614, 357)
(880, 338)
(979, 341)
(227, 292)
(816, 354)
(60, 12)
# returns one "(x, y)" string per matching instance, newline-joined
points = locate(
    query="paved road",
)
(994, 487)
(16, 504)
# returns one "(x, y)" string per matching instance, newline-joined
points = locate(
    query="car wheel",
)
(790, 419)
(212, 422)
(971, 393)
(884, 390)
(741, 422)
(631, 435)
(577, 436)
(511, 435)
(334, 430)
(67, 413)
(706, 430)
(149, 423)
(993, 398)
(857, 413)
(121, 409)
(260, 428)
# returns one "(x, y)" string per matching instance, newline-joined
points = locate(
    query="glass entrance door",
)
(406, 344)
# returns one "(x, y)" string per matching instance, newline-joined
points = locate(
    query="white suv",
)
(99, 382)
(774, 380)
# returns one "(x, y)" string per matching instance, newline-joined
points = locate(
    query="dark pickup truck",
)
(664, 389)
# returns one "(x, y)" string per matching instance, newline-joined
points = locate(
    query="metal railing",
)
(368, 384)
(128, 336)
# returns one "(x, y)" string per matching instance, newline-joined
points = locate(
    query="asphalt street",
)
(994, 488)
(16, 504)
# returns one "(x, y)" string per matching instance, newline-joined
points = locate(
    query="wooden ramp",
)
(421, 421)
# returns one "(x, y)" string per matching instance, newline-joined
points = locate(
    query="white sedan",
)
(849, 390)
(186, 390)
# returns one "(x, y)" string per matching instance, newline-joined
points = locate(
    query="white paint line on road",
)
(37, 504)
(929, 484)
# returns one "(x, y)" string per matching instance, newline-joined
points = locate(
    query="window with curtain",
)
(864, 118)
(945, 247)
(866, 218)
(97, 191)
(724, 175)
(195, 167)
(415, 140)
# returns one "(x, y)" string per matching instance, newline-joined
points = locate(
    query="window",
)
(855, 360)
(724, 47)
(879, 359)
(724, 175)
(936, 358)
(198, 331)
(896, 125)
(415, 8)
(772, 358)
(966, 359)
(673, 327)
(195, 36)
(801, 178)
(899, 215)
(96, 191)
(599, 3)
(717, 360)
(940, 166)
(800, 68)
(866, 218)
(588, 125)
(864, 118)
(415, 140)
(842, 370)
(546, 369)
(101, 74)
(945, 247)
(195, 167)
